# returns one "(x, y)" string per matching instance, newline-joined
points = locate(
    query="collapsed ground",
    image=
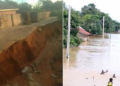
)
(35, 60)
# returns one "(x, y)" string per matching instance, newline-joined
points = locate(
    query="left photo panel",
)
(31, 43)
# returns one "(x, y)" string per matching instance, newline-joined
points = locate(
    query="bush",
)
(77, 40)
(74, 32)
(74, 40)
(64, 41)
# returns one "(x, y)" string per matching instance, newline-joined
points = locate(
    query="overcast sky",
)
(112, 7)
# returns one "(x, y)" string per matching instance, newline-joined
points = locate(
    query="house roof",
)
(5, 6)
(83, 31)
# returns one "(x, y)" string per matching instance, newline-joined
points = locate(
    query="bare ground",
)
(11, 34)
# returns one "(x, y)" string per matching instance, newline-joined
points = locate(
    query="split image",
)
(59, 43)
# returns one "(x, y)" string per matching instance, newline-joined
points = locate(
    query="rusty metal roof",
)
(81, 30)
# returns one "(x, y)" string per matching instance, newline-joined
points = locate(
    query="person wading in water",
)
(110, 83)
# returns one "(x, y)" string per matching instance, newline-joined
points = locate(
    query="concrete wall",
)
(26, 18)
(17, 19)
(43, 15)
(12, 20)
(34, 17)
(7, 12)
(8, 20)
(37, 16)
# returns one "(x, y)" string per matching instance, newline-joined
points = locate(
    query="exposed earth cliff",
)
(35, 60)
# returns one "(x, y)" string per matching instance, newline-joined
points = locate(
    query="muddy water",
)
(90, 58)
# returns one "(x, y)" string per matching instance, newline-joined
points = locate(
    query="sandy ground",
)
(11, 34)
(78, 78)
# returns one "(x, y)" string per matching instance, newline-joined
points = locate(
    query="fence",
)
(37, 16)
(7, 20)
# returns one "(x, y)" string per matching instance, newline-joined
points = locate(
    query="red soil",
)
(26, 51)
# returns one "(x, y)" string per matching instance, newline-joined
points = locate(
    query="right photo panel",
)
(91, 43)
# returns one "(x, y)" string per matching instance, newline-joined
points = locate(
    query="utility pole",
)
(103, 29)
(68, 34)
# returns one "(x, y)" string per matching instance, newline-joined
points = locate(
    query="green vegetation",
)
(74, 40)
(90, 18)
(55, 8)
(42, 5)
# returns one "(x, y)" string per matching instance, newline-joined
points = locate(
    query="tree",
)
(75, 21)
(25, 7)
(37, 7)
(75, 18)
(13, 3)
(91, 19)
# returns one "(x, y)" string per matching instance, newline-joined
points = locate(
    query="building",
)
(6, 8)
(83, 34)
(83, 31)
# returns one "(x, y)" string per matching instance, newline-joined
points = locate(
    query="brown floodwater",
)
(92, 56)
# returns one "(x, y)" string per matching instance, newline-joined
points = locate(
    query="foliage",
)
(42, 5)
(24, 6)
(55, 8)
(75, 18)
(74, 32)
(90, 18)
(74, 40)
(37, 7)
(64, 37)
(12, 3)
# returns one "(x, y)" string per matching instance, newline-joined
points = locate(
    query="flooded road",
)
(90, 58)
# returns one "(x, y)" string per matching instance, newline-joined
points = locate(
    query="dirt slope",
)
(25, 52)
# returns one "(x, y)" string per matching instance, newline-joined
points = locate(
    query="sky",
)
(112, 7)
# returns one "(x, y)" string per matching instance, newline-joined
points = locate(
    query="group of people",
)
(103, 72)
(110, 83)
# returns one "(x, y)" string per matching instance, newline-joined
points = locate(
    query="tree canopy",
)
(42, 5)
(90, 18)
